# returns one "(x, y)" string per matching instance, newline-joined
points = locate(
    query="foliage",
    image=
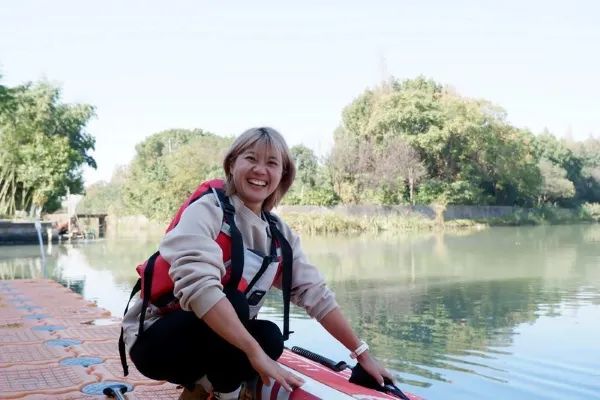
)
(465, 146)
(587, 185)
(555, 185)
(403, 142)
(329, 222)
(318, 196)
(43, 145)
(312, 185)
(102, 197)
(306, 165)
(544, 215)
(167, 168)
(591, 210)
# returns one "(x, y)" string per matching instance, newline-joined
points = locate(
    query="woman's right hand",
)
(267, 368)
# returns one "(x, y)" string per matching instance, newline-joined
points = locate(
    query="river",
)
(501, 313)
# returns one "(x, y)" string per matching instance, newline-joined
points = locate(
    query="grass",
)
(546, 216)
(330, 222)
(326, 223)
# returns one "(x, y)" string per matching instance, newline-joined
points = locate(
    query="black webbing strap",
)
(237, 243)
(148, 273)
(272, 257)
(267, 260)
(286, 280)
(122, 353)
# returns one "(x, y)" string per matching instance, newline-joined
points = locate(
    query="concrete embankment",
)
(25, 232)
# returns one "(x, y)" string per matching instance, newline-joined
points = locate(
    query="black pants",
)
(180, 348)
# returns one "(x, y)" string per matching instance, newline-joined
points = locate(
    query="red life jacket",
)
(154, 272)
(161, 291)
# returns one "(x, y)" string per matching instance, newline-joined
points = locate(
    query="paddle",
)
(359, 375)
(115, 390)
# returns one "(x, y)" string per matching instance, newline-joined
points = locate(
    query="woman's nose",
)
(259, 168)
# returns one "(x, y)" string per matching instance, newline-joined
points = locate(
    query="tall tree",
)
(464, 144)
(398, 163)
(43, 145)
(555, 185)
(307, 165)
(167, 168)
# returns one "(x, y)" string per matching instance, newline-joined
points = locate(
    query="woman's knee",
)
(269, 336)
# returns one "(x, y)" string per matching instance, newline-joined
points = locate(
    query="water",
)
(500, 313)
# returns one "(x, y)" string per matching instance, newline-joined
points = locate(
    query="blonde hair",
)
(273, 140)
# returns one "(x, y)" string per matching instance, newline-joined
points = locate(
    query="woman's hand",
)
(374, 368)
(267, 369)
(222, 319)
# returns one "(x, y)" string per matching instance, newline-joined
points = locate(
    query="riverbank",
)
(25, 232)
(320, 220)
(379, 219)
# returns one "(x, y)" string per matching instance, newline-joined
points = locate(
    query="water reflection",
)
(469, 315)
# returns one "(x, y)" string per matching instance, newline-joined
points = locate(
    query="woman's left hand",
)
(374, 368)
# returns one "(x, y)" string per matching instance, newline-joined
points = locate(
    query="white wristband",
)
(359, 350)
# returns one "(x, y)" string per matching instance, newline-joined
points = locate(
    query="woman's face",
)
(256, 174)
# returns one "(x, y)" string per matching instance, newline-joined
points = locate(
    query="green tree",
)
(588, 186)
(555, 184)
(469, 152)
(43, 145)
(6, 99)
(548, 147)
(168, 166)
(307, 165)
(312, 185)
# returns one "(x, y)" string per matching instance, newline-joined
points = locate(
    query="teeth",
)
(257, 182)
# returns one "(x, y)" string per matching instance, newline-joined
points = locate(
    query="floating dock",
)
(54, 344)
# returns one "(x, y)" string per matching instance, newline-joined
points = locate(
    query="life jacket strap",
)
(237, 243)
(286, 280)
(136, 288)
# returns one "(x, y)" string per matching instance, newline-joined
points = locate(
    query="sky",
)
(226, 66)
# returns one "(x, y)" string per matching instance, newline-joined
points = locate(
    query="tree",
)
(555, 185)
(342, 166)
(6, 99)
(312, 186)
(168, 166)
(397, 164)
(558, 152)
(588, 151)
(43, 144)
(306, 165)
(469, 152)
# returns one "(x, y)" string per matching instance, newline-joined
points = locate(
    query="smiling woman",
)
(223, 252)
(259, 168)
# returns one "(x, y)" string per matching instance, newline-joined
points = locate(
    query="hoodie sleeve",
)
(196, 259)
(309, 289)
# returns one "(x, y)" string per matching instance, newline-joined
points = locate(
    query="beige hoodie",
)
(197, 263)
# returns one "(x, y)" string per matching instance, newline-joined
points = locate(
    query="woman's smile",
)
(256, 174)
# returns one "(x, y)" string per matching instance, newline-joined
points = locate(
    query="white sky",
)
(226, 66)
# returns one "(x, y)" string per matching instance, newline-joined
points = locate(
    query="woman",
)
(214, 340)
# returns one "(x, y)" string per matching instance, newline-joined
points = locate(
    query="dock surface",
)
(54, 344)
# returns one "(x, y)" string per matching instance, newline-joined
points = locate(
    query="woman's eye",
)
(250, 158)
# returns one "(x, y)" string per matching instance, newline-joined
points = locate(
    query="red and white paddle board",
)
(321, 383)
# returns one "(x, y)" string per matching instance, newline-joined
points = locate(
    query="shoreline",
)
(380, 220)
